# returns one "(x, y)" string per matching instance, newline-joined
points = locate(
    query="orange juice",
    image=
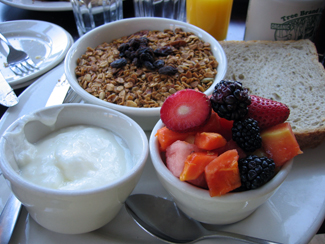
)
(213, 16)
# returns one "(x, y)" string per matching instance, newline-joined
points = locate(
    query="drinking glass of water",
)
(172, 9)
(90, 14)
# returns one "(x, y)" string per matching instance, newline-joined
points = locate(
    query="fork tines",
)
(23, 67)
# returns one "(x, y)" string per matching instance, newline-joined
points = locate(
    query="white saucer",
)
(45, 43)
(39, 5)
(292, 215)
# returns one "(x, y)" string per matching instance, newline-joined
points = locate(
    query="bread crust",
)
(288, 72)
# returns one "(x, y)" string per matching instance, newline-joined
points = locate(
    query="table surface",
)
(65, 19)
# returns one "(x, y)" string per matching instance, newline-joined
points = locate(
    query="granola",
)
(163, 62)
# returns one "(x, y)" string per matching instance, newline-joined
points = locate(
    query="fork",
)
(19, 62)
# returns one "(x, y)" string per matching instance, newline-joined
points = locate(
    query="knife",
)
(11, 210)
(8, 97)
(59, 92)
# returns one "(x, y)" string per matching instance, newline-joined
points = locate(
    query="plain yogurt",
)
(75, 158)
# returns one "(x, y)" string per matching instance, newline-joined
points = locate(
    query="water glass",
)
(172, 9)
(213, 16)
(90, 14)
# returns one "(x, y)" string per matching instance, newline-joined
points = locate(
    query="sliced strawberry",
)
(267, 112)
(185, 110)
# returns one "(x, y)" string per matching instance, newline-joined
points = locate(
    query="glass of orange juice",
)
(213, 16)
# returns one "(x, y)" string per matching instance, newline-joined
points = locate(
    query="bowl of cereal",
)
(133, 65)
(72, 166)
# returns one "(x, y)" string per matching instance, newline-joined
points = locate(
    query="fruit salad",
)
(228, 142)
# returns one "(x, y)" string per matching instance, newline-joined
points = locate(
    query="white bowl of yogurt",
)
(72, 166)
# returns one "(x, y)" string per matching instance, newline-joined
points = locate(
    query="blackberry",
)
(246, 133)
(230, 100)
(255, 171)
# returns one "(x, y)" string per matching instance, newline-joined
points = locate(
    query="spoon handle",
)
(235, 236)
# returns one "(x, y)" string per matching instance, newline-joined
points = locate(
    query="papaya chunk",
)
(209, 140)
(225, 127)
(166, 137)
(195, 163)
(212, 124)
(280, 144)
(222, 174)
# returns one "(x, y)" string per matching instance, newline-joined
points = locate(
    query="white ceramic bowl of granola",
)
(80, 210)
(145, 117)
(197, 203)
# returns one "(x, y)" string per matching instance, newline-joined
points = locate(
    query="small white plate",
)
(292, 215)
(44, 42)
(40, 5)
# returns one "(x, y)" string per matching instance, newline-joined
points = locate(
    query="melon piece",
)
(280, 143)
(209, 140)
(222, 174)
(195, 163)
(199, 181)
(176, 155)
(166, 137)
(190, 138)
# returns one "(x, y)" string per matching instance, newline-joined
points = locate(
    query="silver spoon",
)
(162, 219)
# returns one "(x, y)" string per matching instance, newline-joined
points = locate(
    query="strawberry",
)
(185, 110)
(267, 112)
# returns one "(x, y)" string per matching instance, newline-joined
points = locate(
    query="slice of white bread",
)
(288, 72)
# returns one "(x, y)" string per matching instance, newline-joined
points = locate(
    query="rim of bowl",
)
(197, 192)
(125, 109)
(12, 175)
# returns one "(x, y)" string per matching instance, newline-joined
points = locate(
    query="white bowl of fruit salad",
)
(219, 170)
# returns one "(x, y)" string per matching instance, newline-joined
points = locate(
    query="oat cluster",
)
(139, 85)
